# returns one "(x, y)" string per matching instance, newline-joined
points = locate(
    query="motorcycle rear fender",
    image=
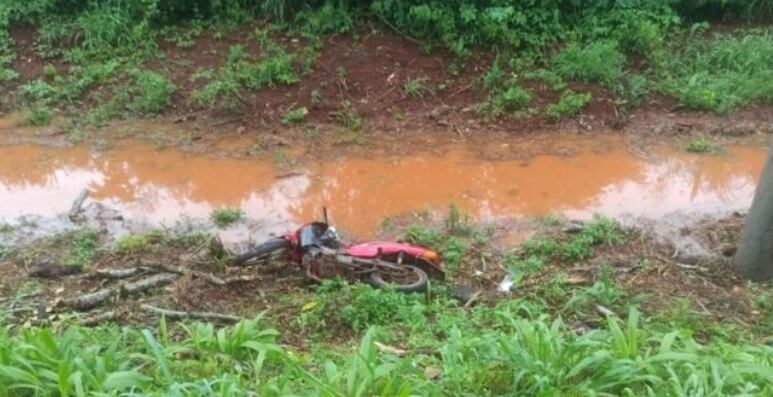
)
(422, 255)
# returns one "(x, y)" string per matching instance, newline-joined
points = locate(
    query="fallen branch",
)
(691, 267)
(94, 299)
(605, 311)
(77, 204)
(243, 279)
(183, 271)
(191, 315)
(117, 274)
(91, 321)
(390, 349)
(148, 283)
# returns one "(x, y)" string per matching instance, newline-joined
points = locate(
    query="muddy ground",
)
(36, 288)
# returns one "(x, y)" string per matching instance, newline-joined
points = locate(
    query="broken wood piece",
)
(145, 284)
(117, 274)
(390, 349)
(175, 314)
(243, 279)
(685, 266)
(77, 204)
(605, 311)
(92, 300)
(91, 321)
(183, 271)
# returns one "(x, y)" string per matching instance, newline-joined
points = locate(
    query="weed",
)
(570, 104)
(453, 254)
(347, 116)
(548, 76)
(295, 116)
(414, 88)
(83, 247)
(226, 216)
(370, 306)
(532, 264)
(75, 136)
(150, 93)
(458, 223)
(599, 61)
(702, 146)
(426, 237)
(541, 248)
(602, 292)
(39, 116)
(132, 244)
(723, 73)
(508, 101)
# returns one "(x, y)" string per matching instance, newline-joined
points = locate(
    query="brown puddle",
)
(164, 186)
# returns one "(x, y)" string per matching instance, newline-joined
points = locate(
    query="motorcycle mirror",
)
(324, 215)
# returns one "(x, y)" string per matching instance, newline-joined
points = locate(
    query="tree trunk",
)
(754, 257)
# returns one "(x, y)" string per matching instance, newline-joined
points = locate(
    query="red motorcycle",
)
(404, 267)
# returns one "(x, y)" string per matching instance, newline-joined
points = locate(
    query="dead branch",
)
(684, 266)
(77, 204)
(243, 279)
(92, 300)
(605, 311)
(191, 315)
(390, 349)
(185, 272)
(91, 321)
(117, 274)
(148, 283)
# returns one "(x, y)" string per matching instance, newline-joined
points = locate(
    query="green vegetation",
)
(108, 59)
(702, 146)
(81, 247)
(132, 243)
(295, 116)
(598, 61)
(722, 73)
(416, 88)
(570, 104)
(39, 116)
(226, 216)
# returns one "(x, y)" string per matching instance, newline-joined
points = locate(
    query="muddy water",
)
(162, 187)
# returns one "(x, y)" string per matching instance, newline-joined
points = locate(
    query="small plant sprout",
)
(702, 146)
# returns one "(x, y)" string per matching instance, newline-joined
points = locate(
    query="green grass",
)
(722, 73)
(82, 247)
(416, 88)
(295, 116)
(226, 216)
(597, 62)
(702, 146)
(39, 116)
(570, 104)
(132, 243)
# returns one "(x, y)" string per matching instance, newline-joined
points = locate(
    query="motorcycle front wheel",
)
(411, 279)
(270, 249)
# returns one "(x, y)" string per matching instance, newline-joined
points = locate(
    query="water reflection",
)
(164, 186)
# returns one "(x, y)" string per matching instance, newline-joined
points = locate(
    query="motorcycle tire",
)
(376, 281)
(270, 248)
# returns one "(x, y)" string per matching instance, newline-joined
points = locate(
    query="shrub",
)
(570, 104)
(295, 116)
(150, 93)
(226, 216)
(132, 243)
(599, 61)
(39, 116)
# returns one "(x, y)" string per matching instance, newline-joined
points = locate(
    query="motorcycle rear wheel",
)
(419, 283)
(273, 248)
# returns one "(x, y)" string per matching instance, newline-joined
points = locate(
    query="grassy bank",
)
(595, 309)
(101, 60)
